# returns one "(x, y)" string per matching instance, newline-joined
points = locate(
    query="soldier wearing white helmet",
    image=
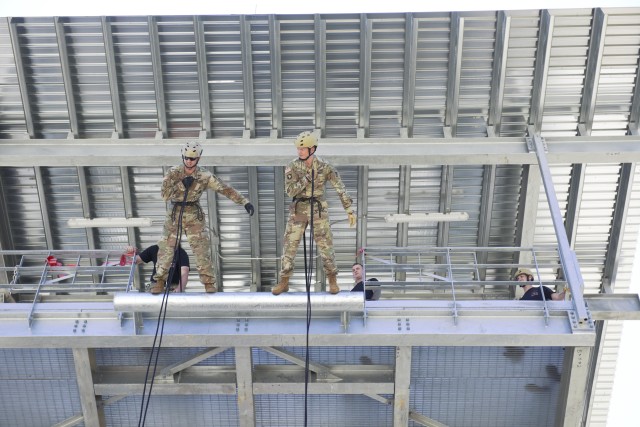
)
(535, 293)
(305, 179)
(182, 186)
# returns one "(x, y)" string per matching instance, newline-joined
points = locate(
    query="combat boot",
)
(210, 288)
(281, 287)
(158, 288)
(333, 285)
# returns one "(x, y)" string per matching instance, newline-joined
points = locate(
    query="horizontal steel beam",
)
(614, 306)
(393, 323)
(340, 151)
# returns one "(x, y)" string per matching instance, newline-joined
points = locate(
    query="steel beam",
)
(320, 34)
(244, 381)
(613, 306)
(498, 76)
(592, 75)
(486, 208)
(214, 228)
(571, 401)
(621, 207)
(67, 79)
(401, 385)
(127, 200)
(22, 77)
(280, 214)
(364, 112)
(44, 208)
(409, 77)
(404, 201)
(446, 187)
(158, 80)
(276, 76)
(203, 75)
(254, 234)
(394, 322)
(567, 255)
(363, 207)
(84, 362)
(576, 186)
(456, 38)
(247, 76)
(541, 71)
(339, 151)
(112, 74)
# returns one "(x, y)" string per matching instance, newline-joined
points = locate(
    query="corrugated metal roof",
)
(465, 75)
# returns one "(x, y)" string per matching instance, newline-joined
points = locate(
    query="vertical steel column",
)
(567, 255)
(84, 362)
(401, 383)
(244, 380)
(571, 400)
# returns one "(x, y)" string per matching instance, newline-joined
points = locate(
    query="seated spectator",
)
(532, 293)
(179, 281)
(369, 294)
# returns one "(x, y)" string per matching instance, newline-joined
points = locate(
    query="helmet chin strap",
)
(309, 154)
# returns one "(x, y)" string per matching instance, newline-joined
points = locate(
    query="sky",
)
(623, 411)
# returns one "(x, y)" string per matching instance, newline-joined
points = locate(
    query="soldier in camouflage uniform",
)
(300, 174)
(189, 177)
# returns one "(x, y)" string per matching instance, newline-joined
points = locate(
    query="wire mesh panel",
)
(38, 387)
(486, 386)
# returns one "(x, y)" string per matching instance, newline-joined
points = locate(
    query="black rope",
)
(162, 314)
(308, 271)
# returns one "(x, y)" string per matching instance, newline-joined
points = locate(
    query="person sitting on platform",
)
(532, 293)
(370, 294)
(179, 280)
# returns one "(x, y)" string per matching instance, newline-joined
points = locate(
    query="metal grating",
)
(477, 386)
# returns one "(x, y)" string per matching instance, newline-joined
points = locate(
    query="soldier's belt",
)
(199, 215)
(297, 200)
(196, 203)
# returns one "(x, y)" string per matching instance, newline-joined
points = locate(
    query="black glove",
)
(249, 208)
(187, 181)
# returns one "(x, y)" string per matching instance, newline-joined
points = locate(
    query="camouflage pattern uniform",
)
(193, 221)
(298, 186)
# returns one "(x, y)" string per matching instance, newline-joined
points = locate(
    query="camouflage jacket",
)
(173, 188)
(297, 181)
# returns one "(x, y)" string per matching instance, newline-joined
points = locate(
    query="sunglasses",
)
(193, 159)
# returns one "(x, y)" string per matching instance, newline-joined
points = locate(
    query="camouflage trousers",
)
(199, 240)
(299, 219)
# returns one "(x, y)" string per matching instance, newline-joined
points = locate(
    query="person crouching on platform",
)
(188, 182)
(532, 293)
(301, 175)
